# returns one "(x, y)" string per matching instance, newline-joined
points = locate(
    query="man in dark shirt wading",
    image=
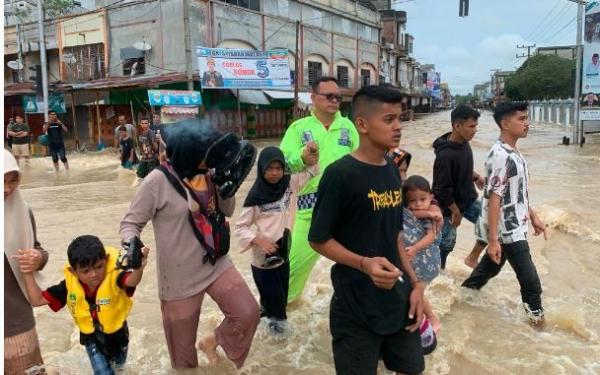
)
(454, 179)
(56, 144)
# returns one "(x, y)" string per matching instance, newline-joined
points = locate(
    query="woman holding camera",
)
(182, 203)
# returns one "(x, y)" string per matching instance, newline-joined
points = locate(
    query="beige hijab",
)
(18, 230)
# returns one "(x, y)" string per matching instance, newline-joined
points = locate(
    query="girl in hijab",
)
(21, 345)
(179, 198)
(267, 208)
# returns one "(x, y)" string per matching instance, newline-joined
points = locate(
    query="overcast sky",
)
(465, 49)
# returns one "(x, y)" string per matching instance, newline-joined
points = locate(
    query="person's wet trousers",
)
(519, 257)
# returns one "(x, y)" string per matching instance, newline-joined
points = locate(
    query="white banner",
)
(590, 74)
(243, 69)
(589, 114)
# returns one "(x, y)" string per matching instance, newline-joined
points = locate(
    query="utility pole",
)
(580, 11)
(20, 50)
(43, 63)
(529, 47)
(296, 67)
(187, 41)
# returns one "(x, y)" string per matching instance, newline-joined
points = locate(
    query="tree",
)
(469, 99)
(541, 77)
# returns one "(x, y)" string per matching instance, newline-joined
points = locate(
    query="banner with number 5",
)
(223, 68)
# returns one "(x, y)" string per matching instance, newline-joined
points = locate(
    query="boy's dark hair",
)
(414, 183)
(368, 97)
(315, 85)
(504, 109)
(462, 113)
(52, 111)
(122, 129)
(84, 251)
(21, 116)
(144, 119)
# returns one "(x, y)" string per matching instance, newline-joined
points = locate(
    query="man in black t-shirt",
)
(376, 307)
(56, 144)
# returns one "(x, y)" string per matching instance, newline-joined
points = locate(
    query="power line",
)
(543, 20)
(560, 15)
(561, 30)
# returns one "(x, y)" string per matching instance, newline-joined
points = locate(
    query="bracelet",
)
(361, 264)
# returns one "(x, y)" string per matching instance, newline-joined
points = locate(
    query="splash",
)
(563, 221)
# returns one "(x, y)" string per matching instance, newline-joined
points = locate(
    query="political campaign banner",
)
(590, 75)
(222, 68)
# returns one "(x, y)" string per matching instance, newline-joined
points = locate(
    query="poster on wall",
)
(222, 68)
(33, 104)
(590, 75)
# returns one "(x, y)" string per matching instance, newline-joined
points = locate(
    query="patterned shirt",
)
(507, 175)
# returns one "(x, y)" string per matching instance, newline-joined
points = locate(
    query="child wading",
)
(376, 308)
(127, 149)
(267, 207)
(98, 297)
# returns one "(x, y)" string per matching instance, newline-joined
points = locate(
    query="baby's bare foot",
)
(469, 261)
(208, 345)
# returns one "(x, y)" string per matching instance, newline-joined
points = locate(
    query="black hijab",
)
(187, 142)
(262, 191)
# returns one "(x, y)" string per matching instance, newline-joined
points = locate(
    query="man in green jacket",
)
(329, 136)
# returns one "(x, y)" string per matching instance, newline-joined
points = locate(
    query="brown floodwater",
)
(482, 332)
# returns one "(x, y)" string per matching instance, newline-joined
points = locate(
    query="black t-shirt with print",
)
(360, 206)
(55, 133)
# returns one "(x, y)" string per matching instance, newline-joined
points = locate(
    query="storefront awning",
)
(280, 94)
(252, 97)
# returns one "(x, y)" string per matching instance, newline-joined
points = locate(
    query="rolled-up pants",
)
(234, 334)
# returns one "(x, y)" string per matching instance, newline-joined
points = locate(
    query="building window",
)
(365, 77)
(86, 62)
(315, 71)
(248, 4)
(342, 76)
(133, 67)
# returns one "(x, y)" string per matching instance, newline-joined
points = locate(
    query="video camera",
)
(231, 160)
(130, 256)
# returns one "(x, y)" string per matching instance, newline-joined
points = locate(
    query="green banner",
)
(56, 102)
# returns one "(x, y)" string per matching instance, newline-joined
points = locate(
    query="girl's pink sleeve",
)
(243, 225)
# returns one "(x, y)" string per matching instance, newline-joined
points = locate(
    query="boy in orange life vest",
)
(98, 297)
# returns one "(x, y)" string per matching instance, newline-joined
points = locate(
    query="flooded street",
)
(482, 332)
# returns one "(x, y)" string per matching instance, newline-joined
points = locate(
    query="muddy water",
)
(482, 332)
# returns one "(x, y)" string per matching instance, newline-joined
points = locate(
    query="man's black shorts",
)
(357, 349)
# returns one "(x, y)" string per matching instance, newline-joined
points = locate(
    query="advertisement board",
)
(222, 68)
(174, 97)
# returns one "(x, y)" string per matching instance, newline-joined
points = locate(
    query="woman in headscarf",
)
(21, 344)
(179, 198)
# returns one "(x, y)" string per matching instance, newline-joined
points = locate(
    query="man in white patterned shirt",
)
(506, 213)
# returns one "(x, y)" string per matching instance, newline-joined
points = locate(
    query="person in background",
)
(131, 133)
(127, 156)
(21, 344)
(9, 139)
(148, 149)
(56, 144)
(19, 131)
(157, 127)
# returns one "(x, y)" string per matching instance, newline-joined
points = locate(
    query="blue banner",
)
(174, 97)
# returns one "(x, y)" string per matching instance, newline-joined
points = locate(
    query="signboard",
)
(435, 89)
(33, 104)
(174, 97)
(243, 69)
(589, 114)
(590, 80)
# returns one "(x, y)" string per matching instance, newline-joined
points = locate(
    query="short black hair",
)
(122, 129)
(21, 116)
(52, 111)
(504, 109)
(84, 251)
(414, 183)
(315, 84)
(463, 112)
(144, 119)
(595, 55)
(368, 96)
